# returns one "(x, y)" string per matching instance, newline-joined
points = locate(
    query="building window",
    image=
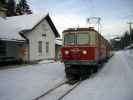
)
(44, 35)
(47, 47)
(40, 46)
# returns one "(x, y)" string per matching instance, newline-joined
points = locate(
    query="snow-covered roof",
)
(8, 30)
(11, 26)
(58, 42)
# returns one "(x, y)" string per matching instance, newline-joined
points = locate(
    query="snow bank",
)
(46, 61)
(129, 57)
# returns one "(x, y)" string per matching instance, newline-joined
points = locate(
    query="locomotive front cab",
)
(79, 48)
(83, 51)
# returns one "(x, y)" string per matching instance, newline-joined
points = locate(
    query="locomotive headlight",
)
(66, 52)
(84, 52)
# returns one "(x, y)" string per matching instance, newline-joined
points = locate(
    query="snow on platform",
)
(113, 82)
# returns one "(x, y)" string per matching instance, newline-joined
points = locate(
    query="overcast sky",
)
(73, 13)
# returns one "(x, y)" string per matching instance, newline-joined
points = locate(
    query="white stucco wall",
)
(37, 35)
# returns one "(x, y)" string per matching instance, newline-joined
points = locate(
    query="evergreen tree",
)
(11, 6)
(12, 9)
(131, 35)
(126, 39)
(2, 1)
(23, 8)
(18, 10)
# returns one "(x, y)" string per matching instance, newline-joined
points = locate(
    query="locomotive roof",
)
(79, 29)
(85, 29)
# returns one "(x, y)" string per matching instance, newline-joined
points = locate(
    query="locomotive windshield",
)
(78, 38)
(69, 39)
(82, 38)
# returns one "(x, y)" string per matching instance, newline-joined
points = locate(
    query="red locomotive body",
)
(83, 50)
(78, 55)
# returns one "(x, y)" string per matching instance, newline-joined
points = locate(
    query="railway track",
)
(58, 92)
(61, 97)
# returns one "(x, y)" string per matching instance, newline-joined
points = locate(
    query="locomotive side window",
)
(82, 38)
(69, 39)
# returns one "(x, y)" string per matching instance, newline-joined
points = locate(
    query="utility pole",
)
(97, 22)
(130, 29)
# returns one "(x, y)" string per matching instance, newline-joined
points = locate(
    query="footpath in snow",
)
(113, 82)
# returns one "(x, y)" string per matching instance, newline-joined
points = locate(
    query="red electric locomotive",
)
(83, 50)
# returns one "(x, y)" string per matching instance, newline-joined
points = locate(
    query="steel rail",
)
(49, 91)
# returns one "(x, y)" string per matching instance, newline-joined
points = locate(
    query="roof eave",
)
(52, 26)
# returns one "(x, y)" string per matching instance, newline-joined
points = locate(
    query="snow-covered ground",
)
(29, 82)
(113, 82)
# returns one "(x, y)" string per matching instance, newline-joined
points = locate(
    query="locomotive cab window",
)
(78, 38)
(82, 38)
(69, 39)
